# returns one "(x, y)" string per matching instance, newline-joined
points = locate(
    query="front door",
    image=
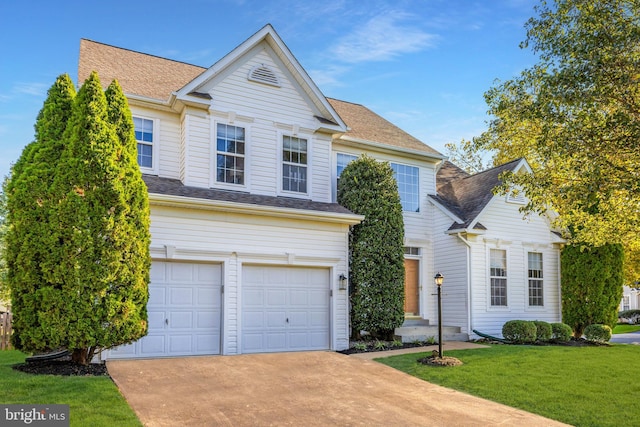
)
(411, 287)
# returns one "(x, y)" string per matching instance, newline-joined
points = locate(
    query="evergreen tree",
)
(102, 270)
(592, 280)
(30, 206)
(376, 255)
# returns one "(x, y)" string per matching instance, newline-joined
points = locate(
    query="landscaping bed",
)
(376, 345)
(62, 367)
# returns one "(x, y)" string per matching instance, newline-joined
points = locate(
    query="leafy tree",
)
(4, 288)
(368, 187)
(575, 117)
(591, 285)
(30, 208)
(468, 156)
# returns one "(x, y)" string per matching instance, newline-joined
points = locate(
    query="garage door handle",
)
(287, 320)
(166, 321)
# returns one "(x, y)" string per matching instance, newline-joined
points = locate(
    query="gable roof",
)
(138, 73)
(368, 127)
(466, 195)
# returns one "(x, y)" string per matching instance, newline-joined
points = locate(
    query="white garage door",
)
(284, 309)
(184, 312)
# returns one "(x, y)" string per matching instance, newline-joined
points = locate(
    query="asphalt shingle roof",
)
(467, 195)
(175, 187)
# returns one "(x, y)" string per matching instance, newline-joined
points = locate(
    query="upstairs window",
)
(498, 277)
(294, 164)
(407, 178)
(143, 129)
(535, 279)
(230, 154)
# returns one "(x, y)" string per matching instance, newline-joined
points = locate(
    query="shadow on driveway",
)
(297, 389)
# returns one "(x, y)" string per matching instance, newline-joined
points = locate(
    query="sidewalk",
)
(447, 345)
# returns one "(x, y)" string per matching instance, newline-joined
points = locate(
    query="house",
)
(498, 265)
(249, 246)
(630, 299)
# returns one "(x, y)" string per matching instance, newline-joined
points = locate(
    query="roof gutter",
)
(251, 209)
(386, 148)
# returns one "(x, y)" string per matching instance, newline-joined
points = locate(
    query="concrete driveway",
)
(297, 389)
(630, 338)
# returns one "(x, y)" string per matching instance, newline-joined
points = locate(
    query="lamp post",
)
(439, 278)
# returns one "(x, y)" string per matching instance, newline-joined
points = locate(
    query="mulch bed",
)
(63, 366)
(371, 347)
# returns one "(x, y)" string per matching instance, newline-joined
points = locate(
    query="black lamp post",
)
(439, 278)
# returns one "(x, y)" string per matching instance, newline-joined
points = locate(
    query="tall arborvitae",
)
(367, 187)
(592, 280)
(103, 299)
(30, 208)
(127, 303)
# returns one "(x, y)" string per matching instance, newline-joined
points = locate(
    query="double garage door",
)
(282, 309)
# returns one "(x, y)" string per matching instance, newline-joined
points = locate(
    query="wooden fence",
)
(5, 331)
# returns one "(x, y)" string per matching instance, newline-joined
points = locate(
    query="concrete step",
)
(424, 333)
(415, 321)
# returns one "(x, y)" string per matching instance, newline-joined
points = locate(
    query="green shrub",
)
(561, 332)
(597, 333)
(632, 316)
(543, 330)
(519, 331)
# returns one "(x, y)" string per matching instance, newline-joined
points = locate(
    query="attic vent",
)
(516, 197)
(263, 74)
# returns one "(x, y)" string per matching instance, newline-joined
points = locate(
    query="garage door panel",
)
(294, 309)
(184, 312)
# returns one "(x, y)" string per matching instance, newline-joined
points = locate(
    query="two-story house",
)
(249, 247)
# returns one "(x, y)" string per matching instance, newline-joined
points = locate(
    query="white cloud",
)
(34, 89)
(382, 38)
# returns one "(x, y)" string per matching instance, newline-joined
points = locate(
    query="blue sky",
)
(422, 64)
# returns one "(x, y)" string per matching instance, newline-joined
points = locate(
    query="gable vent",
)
(263, 74)
(518, 198)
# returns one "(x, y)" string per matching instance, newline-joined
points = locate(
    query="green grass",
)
(625, 329)
(581, 386)
(93, 401)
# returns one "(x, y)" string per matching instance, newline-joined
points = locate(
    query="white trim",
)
(487, 273)
(235, 121)
(155, 144)
(393, 149)
(527, 306)
(309, 167)
(447, 212)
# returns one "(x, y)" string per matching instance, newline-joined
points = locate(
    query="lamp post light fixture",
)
(439, 278)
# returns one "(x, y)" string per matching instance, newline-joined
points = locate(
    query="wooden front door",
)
(411, 287)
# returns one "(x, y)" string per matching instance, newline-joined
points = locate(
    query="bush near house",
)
(376, 256)
(561, 332)
(592, 280)
(543, 330)
(630, 316)
(597, 333)
(519, 331)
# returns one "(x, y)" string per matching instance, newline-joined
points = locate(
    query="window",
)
(411, 250)
(625, 302)
(230, 145)
(143, 129)
(407, 178)
(342, 162)
(535, 280)
(294, 164)
(498, 276)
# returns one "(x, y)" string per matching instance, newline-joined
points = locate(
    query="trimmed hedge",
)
(561, 332)
(519, 331)
(598, 333)
(543, 330)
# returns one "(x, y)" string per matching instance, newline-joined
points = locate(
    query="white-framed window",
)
(295, 158)
(408, 178)
(498, 277)
(410, 250)
(230, 154)
(535, 277)
(626, 302)
(145, 133)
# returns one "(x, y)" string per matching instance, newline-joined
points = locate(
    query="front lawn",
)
(581, 386)
(93, 401)
(625, 329)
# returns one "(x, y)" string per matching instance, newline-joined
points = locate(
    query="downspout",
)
(469, 299)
